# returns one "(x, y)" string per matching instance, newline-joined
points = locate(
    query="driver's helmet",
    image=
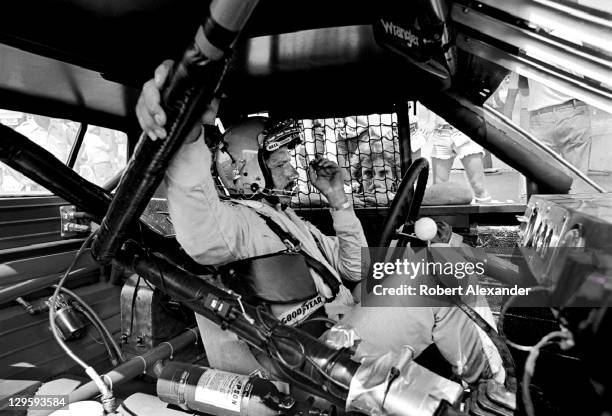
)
(240, 158)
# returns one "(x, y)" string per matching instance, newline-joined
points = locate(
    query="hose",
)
(96, 318)
(111, 354)
(90, 371)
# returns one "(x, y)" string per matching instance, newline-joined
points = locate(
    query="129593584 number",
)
(42, 402)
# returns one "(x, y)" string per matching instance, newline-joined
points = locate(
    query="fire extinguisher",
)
(221, 393)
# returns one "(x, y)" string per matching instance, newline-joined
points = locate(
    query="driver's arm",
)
(344, 250)
(210, 231)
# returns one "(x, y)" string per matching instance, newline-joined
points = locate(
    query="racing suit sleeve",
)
(209, 230)
(343, 251)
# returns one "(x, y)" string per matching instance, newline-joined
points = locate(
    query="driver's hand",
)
(151, 115)
(328, 178)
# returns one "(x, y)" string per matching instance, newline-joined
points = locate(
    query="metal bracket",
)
(71, 227)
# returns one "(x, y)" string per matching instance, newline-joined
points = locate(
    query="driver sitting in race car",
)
(256, 232)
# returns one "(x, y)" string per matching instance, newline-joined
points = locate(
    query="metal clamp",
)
(197, 335)
(144, 363)
(171, 349)
(239, 300)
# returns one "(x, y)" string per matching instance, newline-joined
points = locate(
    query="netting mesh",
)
(367, 150)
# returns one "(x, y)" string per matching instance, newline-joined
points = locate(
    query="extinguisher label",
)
(221, 389)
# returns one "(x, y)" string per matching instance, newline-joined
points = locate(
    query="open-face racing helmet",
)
(240, 159)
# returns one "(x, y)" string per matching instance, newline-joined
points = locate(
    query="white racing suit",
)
(216, 232)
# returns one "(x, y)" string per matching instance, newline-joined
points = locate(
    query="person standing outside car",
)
(449, 143)
(251, 232)
(564, 124)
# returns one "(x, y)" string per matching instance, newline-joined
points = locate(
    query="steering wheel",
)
(403, 208)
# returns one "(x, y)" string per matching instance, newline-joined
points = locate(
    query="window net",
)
(367, 150)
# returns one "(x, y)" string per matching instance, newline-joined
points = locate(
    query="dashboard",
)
(558, 229)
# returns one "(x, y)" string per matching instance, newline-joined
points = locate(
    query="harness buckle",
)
(291, 246)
